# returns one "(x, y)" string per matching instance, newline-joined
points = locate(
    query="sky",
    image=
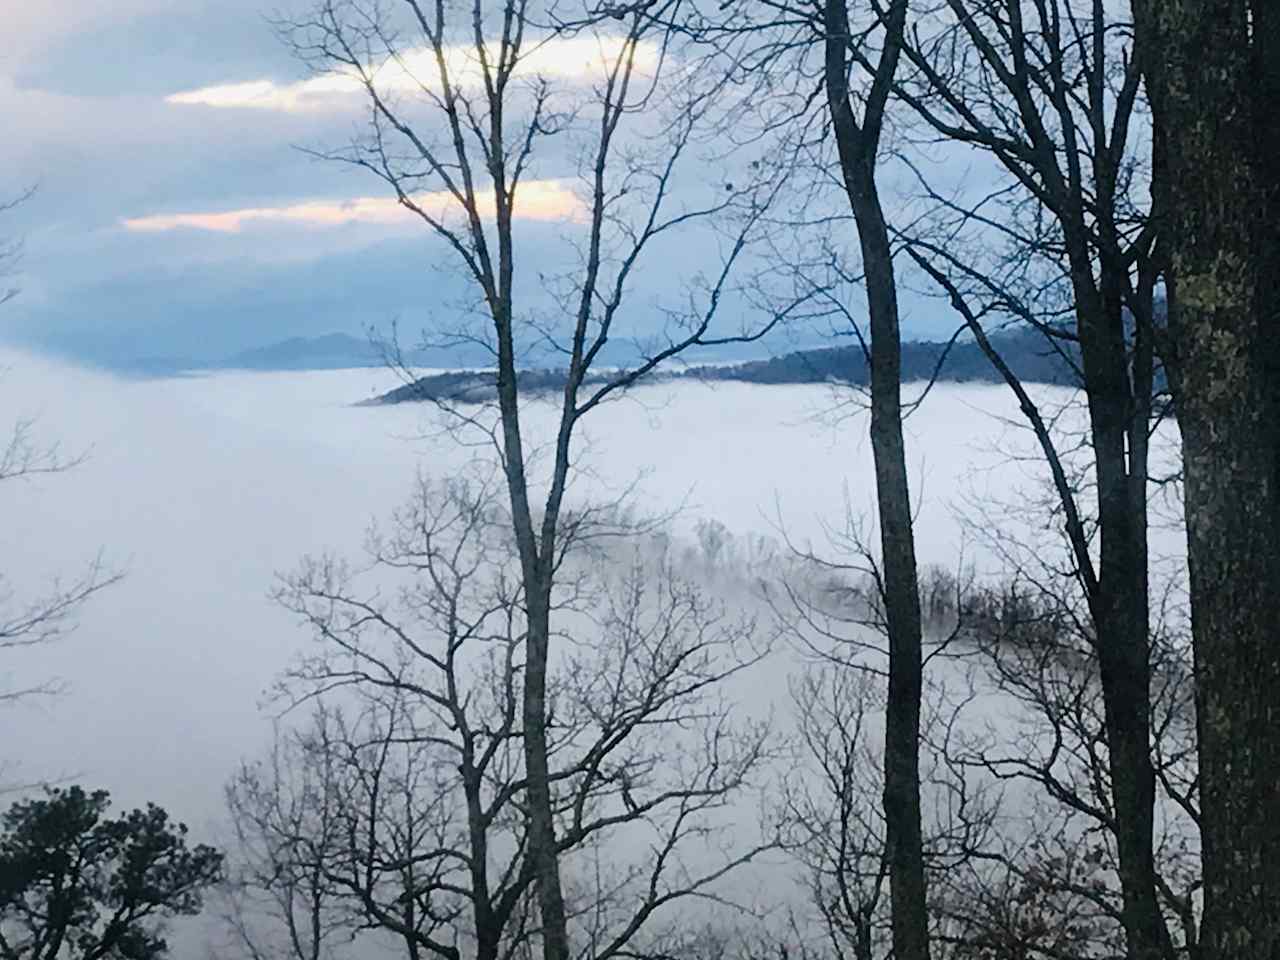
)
(176, 218)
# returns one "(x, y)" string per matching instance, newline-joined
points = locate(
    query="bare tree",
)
(858, 145)
(795, 55)
(1037, 654)
(413, 815)
(836, 813)
(468, 117)
(836, 613)
(11, 249)
(26, 622)
(1048, 92)
(1020, 838)
(287, 812)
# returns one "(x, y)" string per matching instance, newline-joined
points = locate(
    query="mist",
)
(203, 489)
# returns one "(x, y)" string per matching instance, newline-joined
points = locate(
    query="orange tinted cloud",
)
(545, 200)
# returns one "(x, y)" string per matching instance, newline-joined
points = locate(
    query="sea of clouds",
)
(202, 489)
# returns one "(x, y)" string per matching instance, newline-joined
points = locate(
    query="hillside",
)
(332, 351)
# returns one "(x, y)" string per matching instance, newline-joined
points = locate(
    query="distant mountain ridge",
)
(1026, 352)
(1032, 358)
(331, 351)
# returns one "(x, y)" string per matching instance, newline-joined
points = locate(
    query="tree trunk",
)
(901, 596)
(488, 930)
(857, 148)
(535, 561)
(542, 838)
(1211, 73)
(1118, 601)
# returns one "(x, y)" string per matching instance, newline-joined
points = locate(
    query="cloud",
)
(575, 59)
(189, 298)
(316, 93)
(137, 47)
(168, 669)
(544, 200)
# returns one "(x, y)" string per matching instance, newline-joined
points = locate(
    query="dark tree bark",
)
(858, 144)
(1213, 79)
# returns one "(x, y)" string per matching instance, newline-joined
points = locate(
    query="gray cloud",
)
(90, 126)
(199, 297)
(153, 52)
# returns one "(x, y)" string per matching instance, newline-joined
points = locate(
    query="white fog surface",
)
(201, 489)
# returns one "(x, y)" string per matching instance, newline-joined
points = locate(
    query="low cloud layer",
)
(578, 60)
(202, 489)
(549, 200)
